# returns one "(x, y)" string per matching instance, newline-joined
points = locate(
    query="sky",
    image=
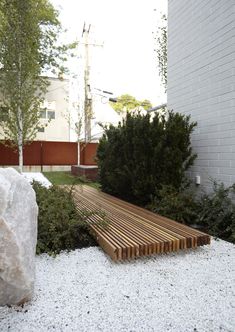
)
(127, 62)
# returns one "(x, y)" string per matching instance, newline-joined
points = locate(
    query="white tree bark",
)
(20, 146)
(20, 120)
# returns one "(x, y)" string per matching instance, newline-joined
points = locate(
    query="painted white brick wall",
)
(201, 81)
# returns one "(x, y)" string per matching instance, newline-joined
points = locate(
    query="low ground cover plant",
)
(212, 212)
(217, 211)
(60, 225)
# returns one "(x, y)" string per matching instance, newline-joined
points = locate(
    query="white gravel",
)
(85, 291)
(30, 176)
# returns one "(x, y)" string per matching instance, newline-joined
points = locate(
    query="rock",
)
(18, 237)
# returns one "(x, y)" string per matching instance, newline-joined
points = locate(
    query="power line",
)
(156, 108)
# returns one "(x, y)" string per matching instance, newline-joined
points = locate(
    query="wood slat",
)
(133, 231)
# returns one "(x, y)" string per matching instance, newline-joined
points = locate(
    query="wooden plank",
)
(162, 235)
(149, 216)
(133, 231)
(120, 225)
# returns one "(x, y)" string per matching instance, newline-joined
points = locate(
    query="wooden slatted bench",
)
(133, 231)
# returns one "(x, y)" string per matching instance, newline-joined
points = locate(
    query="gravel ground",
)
(85, 291)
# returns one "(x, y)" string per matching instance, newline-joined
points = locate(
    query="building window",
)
(43, 114)
(51, 115)
(41, 130)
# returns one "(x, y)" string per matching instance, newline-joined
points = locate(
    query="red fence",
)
(41, 153)
(50, 153)
(88, 153)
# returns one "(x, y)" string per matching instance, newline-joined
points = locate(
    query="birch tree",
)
(29, 32)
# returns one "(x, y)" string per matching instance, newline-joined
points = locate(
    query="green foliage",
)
(127, 103)
(179, 205)
(213, 212)
(216, 212)
(140, 155)
(29, 47)
(60, 226)
(161, 50)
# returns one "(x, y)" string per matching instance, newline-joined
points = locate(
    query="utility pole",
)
(88, 111)
(88, 98)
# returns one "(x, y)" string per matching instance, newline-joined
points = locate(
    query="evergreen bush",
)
(142, 154)
(180, 205)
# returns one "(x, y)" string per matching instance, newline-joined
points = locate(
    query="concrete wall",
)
(42, 169)
(201, 81)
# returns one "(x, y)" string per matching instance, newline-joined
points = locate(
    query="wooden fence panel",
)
(32, 154)
(8, 156)
(60, 153)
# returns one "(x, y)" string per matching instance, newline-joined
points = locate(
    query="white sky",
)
(127, 62)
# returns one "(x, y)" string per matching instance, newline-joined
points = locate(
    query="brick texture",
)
(201, 81)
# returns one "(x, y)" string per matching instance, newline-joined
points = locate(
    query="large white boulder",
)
(18, 237)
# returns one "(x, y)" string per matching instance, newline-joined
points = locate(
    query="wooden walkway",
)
(133, 231)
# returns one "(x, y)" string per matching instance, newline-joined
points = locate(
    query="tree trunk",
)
(20, 119)
(20, 148)
(20, 141)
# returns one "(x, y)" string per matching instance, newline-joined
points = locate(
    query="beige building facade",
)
(55, 112)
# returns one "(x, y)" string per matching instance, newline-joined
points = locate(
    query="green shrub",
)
(60, 226)
(213, 212)
(216, 212)
(178, 205)
(140, 155)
